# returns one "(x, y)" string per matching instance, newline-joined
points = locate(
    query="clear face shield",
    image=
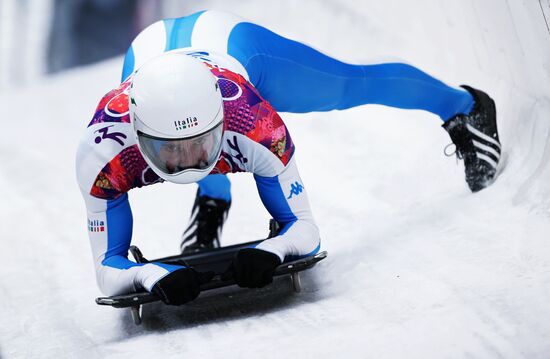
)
(173, 156)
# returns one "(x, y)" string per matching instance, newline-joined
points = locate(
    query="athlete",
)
(198, 99)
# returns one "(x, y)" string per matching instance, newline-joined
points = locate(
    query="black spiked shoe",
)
(205, 226)
(476, 139)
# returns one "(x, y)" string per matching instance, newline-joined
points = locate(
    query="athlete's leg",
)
(215, 186)
(296, 78)
(149, 43)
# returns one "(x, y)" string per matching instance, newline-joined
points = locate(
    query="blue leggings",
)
(295, 78)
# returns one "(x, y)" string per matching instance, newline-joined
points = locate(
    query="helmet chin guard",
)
(176, 109)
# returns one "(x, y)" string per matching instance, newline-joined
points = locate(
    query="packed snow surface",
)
(418, 266)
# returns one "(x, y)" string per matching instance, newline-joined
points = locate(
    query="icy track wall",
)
(518, 79)
(522, 80)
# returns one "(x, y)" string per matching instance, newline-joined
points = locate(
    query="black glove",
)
(180, 286)
(254, 268)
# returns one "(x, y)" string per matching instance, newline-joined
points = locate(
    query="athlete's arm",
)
(108, 165)
(257, 140)
(110, 234)
(285, 197)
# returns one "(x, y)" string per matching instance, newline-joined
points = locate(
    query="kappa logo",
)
(115, 136)
(96, 226)
(295, 189)
(187, 123)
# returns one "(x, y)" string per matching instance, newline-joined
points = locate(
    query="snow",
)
(418, 266)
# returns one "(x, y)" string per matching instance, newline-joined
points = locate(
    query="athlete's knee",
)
(215, 186)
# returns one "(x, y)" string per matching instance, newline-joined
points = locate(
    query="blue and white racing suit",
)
(259, 73)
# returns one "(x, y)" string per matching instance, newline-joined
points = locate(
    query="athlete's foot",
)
(476, 139)
(205, 226)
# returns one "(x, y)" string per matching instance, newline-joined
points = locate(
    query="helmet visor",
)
(173, 156)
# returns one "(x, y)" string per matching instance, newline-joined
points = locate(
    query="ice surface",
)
(418, 266)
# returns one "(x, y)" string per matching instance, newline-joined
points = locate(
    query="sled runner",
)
(217, 261)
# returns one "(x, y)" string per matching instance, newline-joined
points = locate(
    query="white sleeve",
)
(285, 197)
(109, 225)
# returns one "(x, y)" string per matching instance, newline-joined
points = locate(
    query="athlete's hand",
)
(180, 286)
(254, 268)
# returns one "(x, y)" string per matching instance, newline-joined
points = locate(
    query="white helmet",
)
(176, 108)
